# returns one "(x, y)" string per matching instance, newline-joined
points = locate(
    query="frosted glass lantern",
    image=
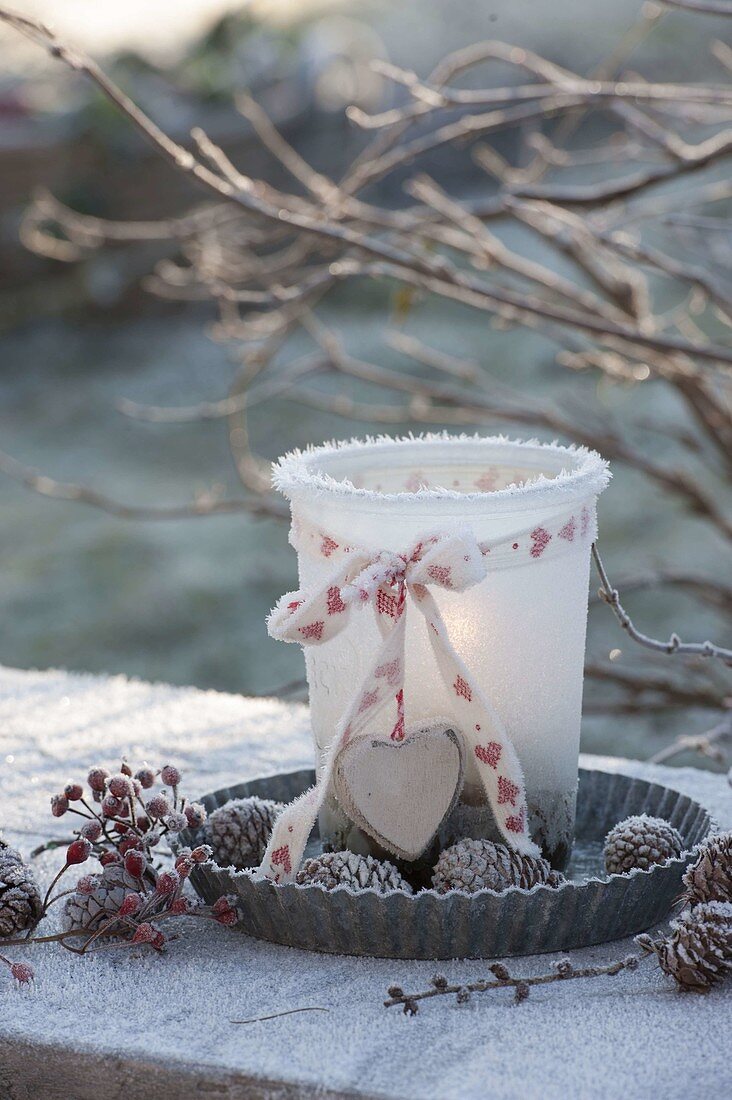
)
(521, 631)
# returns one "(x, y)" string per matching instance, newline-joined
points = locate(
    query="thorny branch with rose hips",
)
(120, 825)
(646, 300)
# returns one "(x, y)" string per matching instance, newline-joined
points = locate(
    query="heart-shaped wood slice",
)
(400, 792)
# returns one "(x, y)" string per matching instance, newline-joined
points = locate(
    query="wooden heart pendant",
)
(400, 792)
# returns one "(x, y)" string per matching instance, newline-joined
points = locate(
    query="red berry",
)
(22, 972)
(144, 933)
(120, 786)
(130, 905)
(148, 933)
(195, 815)
(111, 806)
(92, 830)
(74, 791)
(59, 805)
(110, 857)
(146, 778)
(183, 865)
(179, 907)
(87, 884)
(130, 843)
(167, 883)
(176, 822)
(201, 853)
(158, 806)
(78, 851)
(228, 918)
(135, 863)
(170, 775)
(143, 822)
(97, 778)
(125, 769)
(224, 912)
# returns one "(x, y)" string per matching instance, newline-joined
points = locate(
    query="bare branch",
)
(674, 645)
(205, 504)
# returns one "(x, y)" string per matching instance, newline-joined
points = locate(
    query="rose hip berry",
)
(92, 830)
(170, 776)
(135, 863)
(59, 805)
(167, 883)
(74, 791)
(22, 973)
(195, 815)
(146, 778)
(130, 905)
(78, 851)
(96, 779)
(120, 786)
(158, 806)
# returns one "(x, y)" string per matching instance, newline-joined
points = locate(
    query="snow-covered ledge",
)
(117, 1024)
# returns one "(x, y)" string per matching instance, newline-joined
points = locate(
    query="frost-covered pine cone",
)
(239, 831)
(349, 869)
(710, 878)
(20, 899)
(698, 952)
(90, 908)
(473, 865)
(640, 841)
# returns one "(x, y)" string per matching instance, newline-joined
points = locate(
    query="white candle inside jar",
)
(520, 631)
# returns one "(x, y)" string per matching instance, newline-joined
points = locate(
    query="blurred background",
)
(185, 600)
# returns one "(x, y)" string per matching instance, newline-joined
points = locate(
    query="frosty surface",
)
(521, 631)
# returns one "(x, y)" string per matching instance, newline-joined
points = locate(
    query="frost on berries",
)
(73, 791)
(87, 884)
(168, 882)
(146, 778)
(59, 805)
(120, 786)
(135, 863)
(170, 776)
(92, 830)
(176, 822)
(195, 815)
(158, 806)
(148, 933)
(225, 912)
(131, 905)
(78, 851)
(22, 973)
(96, 779)
(111, 806)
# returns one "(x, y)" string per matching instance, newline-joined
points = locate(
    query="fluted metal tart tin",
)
(591, 907)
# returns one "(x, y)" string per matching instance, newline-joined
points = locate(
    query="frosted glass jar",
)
(521, 631)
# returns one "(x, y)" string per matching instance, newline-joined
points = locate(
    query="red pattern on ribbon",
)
(489, 754)
(507, 791)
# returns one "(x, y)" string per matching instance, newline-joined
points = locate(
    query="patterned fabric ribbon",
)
(381, 581)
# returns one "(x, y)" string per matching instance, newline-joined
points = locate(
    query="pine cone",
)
(239, 831)
(472, 865)
(710, 878)
(346, 868)
(89, 910)
(20, 899)
(698, 952)
(640, 841)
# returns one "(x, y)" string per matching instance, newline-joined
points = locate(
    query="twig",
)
(276, 1015)
(563, 972)
(204, 505)
(674, 644)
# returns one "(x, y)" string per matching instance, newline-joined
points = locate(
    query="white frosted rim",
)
(550, 472)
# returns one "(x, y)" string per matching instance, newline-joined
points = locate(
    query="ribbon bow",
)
(382, 581)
